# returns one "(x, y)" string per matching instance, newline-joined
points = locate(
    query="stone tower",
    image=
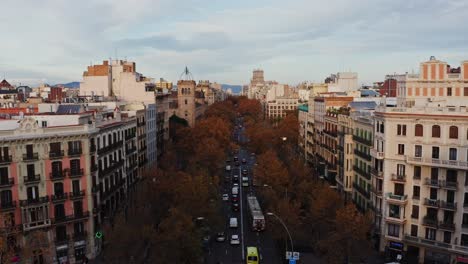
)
(186, 97)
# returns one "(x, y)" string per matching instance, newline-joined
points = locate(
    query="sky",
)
(53, 41)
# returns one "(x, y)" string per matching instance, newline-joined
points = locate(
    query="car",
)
(235, 240)
(235, 178)
(235, 185)
(234, 198)
(244, 161)
(236, 158)
(233, 222)
(252, 154)
(225, 197)
(235, 207)
(220, 237)
(244, 171)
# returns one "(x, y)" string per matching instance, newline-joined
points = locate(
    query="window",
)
(465, 200)
(59, 211)
(433, 193)
(44, 123)
(465, 91)
(33, 193)
(416, 192)
(453, 132)
(447, 237)
(449, 91)
(436, 131)
(414, 230)
(75, 165)
(399, 189)
(401, 170)
(401, 149)
(430, 233)
(58, 188)
(78, 208)
(4, 175)
(394, 211)
(452, 154)
(76, 186)
(382, 128)
(464, 240)
(401, 130)
(418, 151)
(417, 172)
(185, 101)
(466, 178)
(418, 130)
(435, 152)
(415, 212)
(56, 168)
(465, 220)
(394, 230)
(6, 197)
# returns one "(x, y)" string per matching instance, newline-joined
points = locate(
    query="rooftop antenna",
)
(186, 75)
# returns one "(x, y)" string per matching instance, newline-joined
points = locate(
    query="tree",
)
(37, 246)
(251, 108)
(349, 240)
(271, 171)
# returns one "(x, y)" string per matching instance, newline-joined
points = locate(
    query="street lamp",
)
(281, 221)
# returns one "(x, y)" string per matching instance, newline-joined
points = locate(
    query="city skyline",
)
(224, 42)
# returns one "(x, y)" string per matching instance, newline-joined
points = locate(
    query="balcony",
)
(396, 219)
(131, 150)
(376, 173)
(92, 148)
(430, 221)
(36, 224)
(5, 160)
(75, 152)
(142, 163)
(94, 168)
(70, 218)
(80, 236)
(426, 242)
(130, 136)
(110, 147)
(361, 140)
(398, 178)
(431, 182)
(75, 173)
(362, 190)
(449, 164)
(431, 203)
(31, 157)
(111, 168)
(56, 154)
(7, 206)
(57, 175)
(449, 185)
(31, 179)
(362, 172)
(29, 202)
(77, 195)
(59, 197)
(330, 133)
(7, 183)
(363, 155)
(377, 154)
(448, 205)
(377, 191)
(397, 199)
(447, 225)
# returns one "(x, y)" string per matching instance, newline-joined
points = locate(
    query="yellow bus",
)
(252, 255)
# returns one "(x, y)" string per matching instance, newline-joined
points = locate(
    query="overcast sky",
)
(54, 41)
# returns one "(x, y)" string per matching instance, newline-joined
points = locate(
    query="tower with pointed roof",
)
(186, 97)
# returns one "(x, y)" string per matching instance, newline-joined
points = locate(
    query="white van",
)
(235, 190)
(228, 168)
(233, 222)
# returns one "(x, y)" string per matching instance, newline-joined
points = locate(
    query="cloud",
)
(292, 40)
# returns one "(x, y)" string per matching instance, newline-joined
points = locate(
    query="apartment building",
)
(325, 162)
(345, 151)
(420, 160)
(303, 114)
(281, 106)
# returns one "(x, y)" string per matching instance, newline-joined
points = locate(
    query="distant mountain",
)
(236, 89)
(72, 85)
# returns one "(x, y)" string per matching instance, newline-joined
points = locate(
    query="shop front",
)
(436, 257)
(394, 251)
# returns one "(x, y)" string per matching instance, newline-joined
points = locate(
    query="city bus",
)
(252, 255)
(255, 214)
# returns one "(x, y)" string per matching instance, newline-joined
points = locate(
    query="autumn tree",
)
(349, 240)
(250, 108)
(271, 171)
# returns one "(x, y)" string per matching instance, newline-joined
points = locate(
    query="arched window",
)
(418, 130)
(453, 132)
(436, 131)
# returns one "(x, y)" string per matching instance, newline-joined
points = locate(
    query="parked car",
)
(225, 197)
(244, 171)
(233, 222)
(235, 207)
(234, 198)
(244, 161)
